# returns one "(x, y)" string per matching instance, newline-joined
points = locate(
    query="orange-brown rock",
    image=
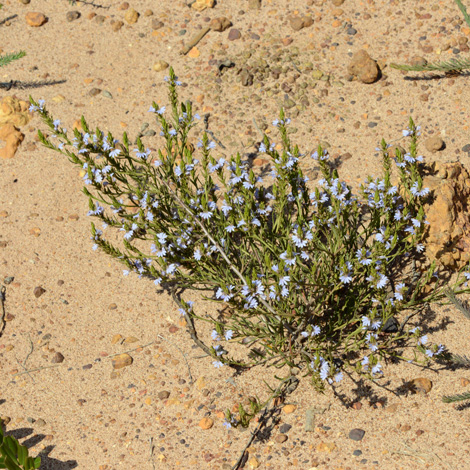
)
(12, 137)
(448, 237)
(364, 67)
(14, 111)
(35, 19)
(200, 5)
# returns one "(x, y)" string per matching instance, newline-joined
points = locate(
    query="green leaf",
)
(7, 58)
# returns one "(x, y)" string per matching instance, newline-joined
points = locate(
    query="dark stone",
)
(285, 428)
(38, 291)
(351, 31)
(357, 452)
(356, 434)
(372, 124)
(466, 148)
(391, 325)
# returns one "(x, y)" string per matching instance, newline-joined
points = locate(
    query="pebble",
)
(351, 31)
(284, 428)
(40, 423)
(326, 447)
(464, 382)
(364, 67)
(100, 19)
(337, 3)
(289, 409)
(94, 91)
(115, 338)
(253, 463)
(157, 24)
(356, 434)
(38, 291)
(116, 25)
(160, 65)
(201, 5)
(123, 6)
(163, 395)
(297, 23)
(246, 78)
(434, 144)
(131, 16)
(220, 24)
(58, 358)
(317, 74)
(466, 148)
(35, 19)
(107, 94)
(25, 2)
(280, 438)
(130, 340)
(112, 306)
(234, 34)
(206, 423)
(421, 385)
(418, 60)
(357, 452)
(72, 15)
(122, 360)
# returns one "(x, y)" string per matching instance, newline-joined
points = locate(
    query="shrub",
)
(14, 456)
(314, 279)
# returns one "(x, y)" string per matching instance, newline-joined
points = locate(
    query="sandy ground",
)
(81, 413)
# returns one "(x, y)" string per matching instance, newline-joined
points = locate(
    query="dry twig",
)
(2, 304)
(194, 41)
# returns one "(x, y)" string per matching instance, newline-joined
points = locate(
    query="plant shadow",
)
(24, 85)
(47, 463)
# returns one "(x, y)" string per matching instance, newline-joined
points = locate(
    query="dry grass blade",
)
(423, 457)
(461, 306)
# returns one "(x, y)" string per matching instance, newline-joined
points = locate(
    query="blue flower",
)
(382, 282)
(218, 364)
(205, 215)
